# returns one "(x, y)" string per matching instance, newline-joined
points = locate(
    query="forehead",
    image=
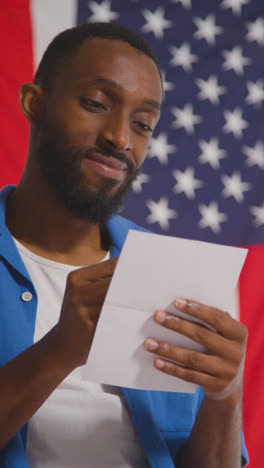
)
(114, 60)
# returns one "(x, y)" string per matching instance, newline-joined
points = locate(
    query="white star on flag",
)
(139, 181)
(211, 217)
(209, 89)
(182, 57)
(185, 118)
(234, 122)
(186, 182)
(160, 212)
(258, 212)
(185, 3)
(256, 31)
(255, 154)
(102, 12)
(159, 148)
(255, 92)
(167, 85)
(235, 5)
(207, 29)
(234, 187)
(235, 61)
(211, 153)
(155, 22)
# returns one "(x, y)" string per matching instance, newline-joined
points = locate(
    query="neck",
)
(41, 223)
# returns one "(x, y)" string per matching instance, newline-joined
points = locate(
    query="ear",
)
(31, 100)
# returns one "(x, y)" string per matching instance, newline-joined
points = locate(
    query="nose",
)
(116, 133)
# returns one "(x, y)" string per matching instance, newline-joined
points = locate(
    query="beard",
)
(61, 168)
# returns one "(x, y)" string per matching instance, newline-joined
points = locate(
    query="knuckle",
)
(237, 356)
(82, 312)
(233, 372)
(219, 316)
(240, 331)
(90, 325)
(173, 322)
(194, 360)
(228, 315)
(172, 369)
(244, 332)
(105, 284)
(74, 299)
(72, 280)
(230, 372)
(189, 376)
(164, 349)
(193, 307)
(97, 295)
(201, 333)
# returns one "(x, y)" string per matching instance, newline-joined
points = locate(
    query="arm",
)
(28, 380)
(215, 438)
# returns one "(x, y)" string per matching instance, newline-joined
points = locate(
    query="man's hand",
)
(27, 380)
(84, 296)
(219, 370)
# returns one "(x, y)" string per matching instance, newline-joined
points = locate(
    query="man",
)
(92, 108)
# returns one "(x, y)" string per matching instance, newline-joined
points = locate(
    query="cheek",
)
(78, 125)
(141, 147)
(82, 131)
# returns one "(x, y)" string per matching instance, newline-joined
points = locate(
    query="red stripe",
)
(252, 315)
(16, 65)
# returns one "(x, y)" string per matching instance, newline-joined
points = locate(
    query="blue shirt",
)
(163, 420)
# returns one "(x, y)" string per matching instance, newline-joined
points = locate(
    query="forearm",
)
(215, 439)
(25, 383)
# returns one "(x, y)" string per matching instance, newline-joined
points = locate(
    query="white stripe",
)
(48, 18)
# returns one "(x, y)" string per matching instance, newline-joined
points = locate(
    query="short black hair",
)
(65, 44)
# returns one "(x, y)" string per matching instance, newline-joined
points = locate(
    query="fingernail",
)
(160, 316)
(151, 345)
(180, 303)
(159, 363)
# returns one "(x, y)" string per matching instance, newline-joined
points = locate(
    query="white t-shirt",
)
(82, 424)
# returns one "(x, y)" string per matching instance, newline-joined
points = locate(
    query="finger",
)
(215, 343)
(221, 321)
(191, 359)
(190, 375)
(92, 273)
(90, 294)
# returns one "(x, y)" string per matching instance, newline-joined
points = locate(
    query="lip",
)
(108, 161)
(106, 166)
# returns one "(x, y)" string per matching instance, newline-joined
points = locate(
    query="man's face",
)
(96, 125)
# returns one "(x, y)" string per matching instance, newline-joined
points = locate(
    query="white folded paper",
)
(151, 272)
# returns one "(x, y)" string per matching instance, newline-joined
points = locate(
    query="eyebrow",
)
(115, 84)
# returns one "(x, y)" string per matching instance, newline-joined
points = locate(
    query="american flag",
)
(204, 174)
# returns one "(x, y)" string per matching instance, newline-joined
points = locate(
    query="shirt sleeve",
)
(244, 453)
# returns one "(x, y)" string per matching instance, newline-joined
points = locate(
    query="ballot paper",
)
(152, 271)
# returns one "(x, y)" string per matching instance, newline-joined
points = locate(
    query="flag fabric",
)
(204, 175)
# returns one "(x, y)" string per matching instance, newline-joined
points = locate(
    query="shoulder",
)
(118, 228)
(119, 222)
(4, 193)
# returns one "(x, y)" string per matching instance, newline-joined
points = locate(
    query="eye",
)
(143, 128)
(92, 105)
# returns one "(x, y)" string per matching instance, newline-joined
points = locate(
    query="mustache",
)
(121, 156)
